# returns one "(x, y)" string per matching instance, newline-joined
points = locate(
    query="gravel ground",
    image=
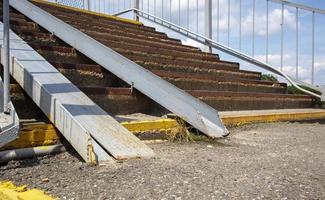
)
(264, 161)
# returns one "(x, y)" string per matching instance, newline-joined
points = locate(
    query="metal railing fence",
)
(236, 23)
(228, 21)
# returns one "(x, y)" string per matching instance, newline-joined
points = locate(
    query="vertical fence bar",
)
(162, 9)
(170, 10)
(208, 22)
(188, 14)
(267, 33)
(218, 21)
(154, 7)
(197, 16)
(6, 57)
(240, 22)
(86, 4)
(179, 12)
(253, 30)
(297, 43)
(313, 51)
(136, 6)
(228, 36)
(105, 6)
(282, 33)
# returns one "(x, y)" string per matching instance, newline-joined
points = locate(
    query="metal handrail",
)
(207, 41)
(296, 5)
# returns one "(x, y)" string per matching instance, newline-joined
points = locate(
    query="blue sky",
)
(304, 24)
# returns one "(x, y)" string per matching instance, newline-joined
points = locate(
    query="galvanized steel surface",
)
(195, 112)
(86, 126)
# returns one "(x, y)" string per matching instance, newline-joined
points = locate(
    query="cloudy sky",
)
(189, 19)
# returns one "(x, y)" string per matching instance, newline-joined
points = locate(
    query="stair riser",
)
(233, 104)
(88, 78)
(123, 105)
(224, 86)
(203, 71)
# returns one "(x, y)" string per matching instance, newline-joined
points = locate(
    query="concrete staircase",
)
(221, 84)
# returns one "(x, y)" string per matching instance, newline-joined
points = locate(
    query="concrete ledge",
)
(8, 191)
(35, 135)
(150, 126)
(237, 118)
(89, 12)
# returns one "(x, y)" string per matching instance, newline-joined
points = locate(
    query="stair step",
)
(83, 74)
(219, 100)
(128, 52)
(92, 18)
(121, 46)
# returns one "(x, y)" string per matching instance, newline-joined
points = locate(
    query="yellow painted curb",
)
(146, 126)
(260, 118)
(89, 12)
(34, 135)
(47, 134)
(8, 191)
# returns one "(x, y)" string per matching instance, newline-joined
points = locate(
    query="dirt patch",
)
(278, 161)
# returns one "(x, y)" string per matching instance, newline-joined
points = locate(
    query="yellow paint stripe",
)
(241, 120)
(146, 126)
(8, 191)
(89, 12)
(43, 135)
(35, 135)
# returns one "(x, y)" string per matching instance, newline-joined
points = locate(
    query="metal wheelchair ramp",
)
(195, 112)
(91, 131)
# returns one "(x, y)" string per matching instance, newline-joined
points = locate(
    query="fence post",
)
(208, 23)
(6, 57)
(87, 4)
(136, 6)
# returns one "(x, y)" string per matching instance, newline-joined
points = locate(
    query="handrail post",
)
(136, 6)
(6, 55)
(208, 23)
(87, 4)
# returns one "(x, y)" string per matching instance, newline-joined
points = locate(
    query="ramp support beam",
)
(208, 23)
(6, 56)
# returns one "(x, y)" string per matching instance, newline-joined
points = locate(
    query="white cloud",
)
(320, 65)
(190, 42)
(289, 67)
(274, 22)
